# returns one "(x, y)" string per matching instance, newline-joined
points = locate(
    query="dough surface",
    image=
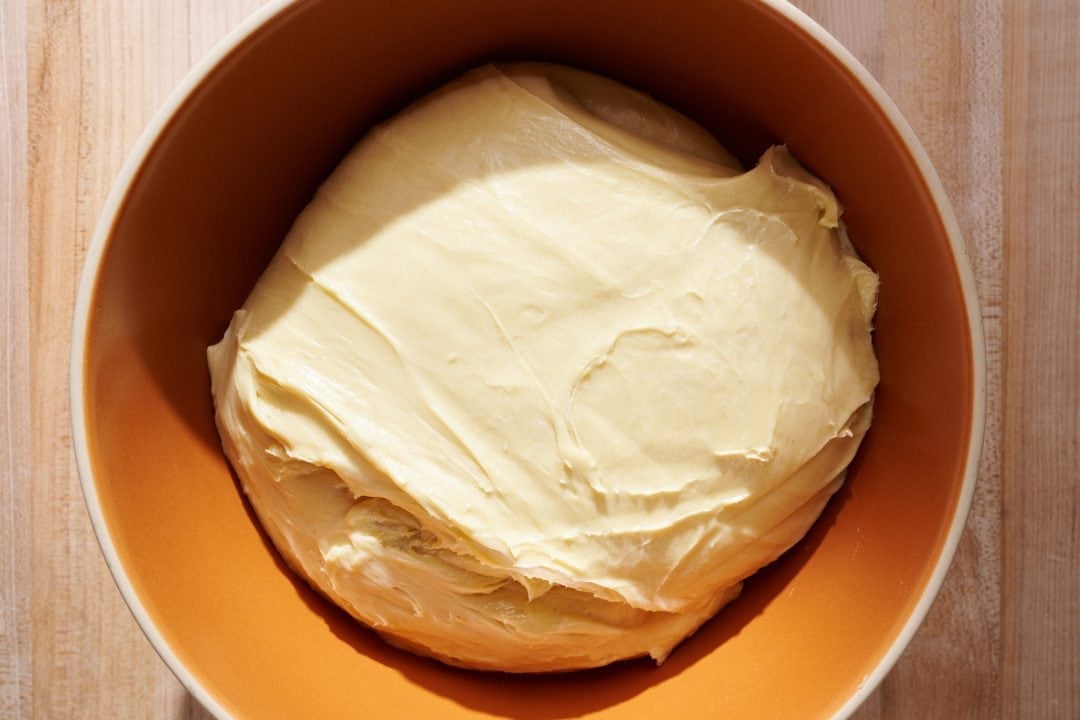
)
(541, 374)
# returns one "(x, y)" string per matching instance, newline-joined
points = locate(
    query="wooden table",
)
(992, 88)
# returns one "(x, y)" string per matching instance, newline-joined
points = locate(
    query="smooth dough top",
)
(541, 375)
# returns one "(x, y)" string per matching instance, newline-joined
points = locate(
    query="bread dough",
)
(541, 375)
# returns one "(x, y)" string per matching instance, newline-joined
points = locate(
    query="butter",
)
(541, 374)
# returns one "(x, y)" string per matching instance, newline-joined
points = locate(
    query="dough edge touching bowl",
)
(198, 75)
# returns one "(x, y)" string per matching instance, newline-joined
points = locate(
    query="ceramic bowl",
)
(211, 190)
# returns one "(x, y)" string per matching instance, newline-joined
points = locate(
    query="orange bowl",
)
(210, 192)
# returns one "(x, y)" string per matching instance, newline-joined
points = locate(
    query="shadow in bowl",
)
(556, 696)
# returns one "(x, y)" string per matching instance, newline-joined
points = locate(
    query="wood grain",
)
(991, 87)
(15, 624)
(1041, 521)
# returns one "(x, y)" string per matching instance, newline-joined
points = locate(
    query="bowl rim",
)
(220, 51)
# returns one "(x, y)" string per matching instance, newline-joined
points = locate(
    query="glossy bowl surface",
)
(213, 187)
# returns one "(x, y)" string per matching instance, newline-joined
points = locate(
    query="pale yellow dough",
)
(541, 375)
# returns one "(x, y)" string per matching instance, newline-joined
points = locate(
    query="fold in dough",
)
(541, 375)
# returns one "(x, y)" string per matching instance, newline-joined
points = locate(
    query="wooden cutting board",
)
(992, 88)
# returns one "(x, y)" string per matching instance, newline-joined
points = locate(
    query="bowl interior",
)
(216, 195)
